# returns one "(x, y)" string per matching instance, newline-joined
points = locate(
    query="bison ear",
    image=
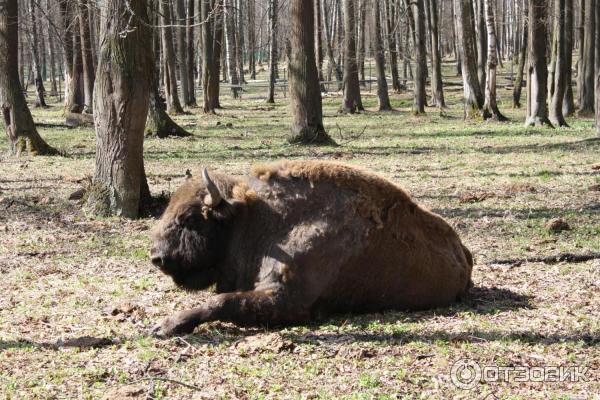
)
(214, 195)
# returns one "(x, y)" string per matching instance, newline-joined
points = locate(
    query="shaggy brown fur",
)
(365, 182)
(305, 238)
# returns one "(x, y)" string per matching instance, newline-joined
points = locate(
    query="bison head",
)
(191, 238)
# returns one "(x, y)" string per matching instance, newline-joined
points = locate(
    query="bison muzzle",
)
(300, 239)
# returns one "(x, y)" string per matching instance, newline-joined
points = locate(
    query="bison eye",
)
(190, 218)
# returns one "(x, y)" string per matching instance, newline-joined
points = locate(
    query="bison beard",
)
(304, 238)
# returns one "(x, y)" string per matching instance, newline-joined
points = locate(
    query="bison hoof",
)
(172, 326)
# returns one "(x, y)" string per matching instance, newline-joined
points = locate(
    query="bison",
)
(298, 240)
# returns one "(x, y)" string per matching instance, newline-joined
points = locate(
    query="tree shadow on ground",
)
(589, 209)
(537, 148)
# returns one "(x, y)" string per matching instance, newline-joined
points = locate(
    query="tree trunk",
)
(391, 26)
(93, 19)
(121, 97)
(191, 54)
(560, 63)
(437, 85)
(52, 53)
(333, 65)
(89, 74)
(76, 91)
(305, 94)
(581, 41)
(568, 101)
(230, 47)
(240, 40)
(170, 74)
(319, 42)
(482, 44)
(382, 87)
(491, 105)
(537, 71)
(352, 101)
(16, 117)
(273, 8)
(182, 48)
(340, 39)
(210, 70)
(252, 38)
(522, 58)
(598, 69)
(159, 123)
(474, 98)
(35, 59)
(589, 55)
(67, 51)
(420, 97)
(361, 14)
(456, 46)
(218, 41)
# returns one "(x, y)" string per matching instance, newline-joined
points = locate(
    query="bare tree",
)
(159, 123)
(121, 96)
(420, 97)
(481, 42)
(352, 101)
(252, 38)
(89, 74)
(305, 94)
(319, 42)
(474, 98)
(537, 71)
(586, 107)
(437, 85)
(231, 46)
(597, 69)
(240, 38)
(522, 58)
(273, 8)
(382, 86)
(391, 28)
(191, 46)
(170, 74)
(210, 55)
(182, 50)
(562, 53)
(569, 101)
(491, 106)
(333, 65)
(35, 58)
(18, 123)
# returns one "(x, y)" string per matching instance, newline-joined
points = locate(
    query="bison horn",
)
(214, 197)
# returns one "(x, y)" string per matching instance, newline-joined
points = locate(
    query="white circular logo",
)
(465, 374)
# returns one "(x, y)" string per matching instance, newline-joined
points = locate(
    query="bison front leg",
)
(242, 308)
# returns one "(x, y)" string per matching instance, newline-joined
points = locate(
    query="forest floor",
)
(78, 294)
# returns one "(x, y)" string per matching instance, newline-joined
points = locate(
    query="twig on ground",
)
(568, 257)
(353, 138)
(169, 380)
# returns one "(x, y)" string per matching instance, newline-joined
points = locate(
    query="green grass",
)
(63, 273)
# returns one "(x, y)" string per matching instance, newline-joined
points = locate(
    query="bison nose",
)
(156, 258)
